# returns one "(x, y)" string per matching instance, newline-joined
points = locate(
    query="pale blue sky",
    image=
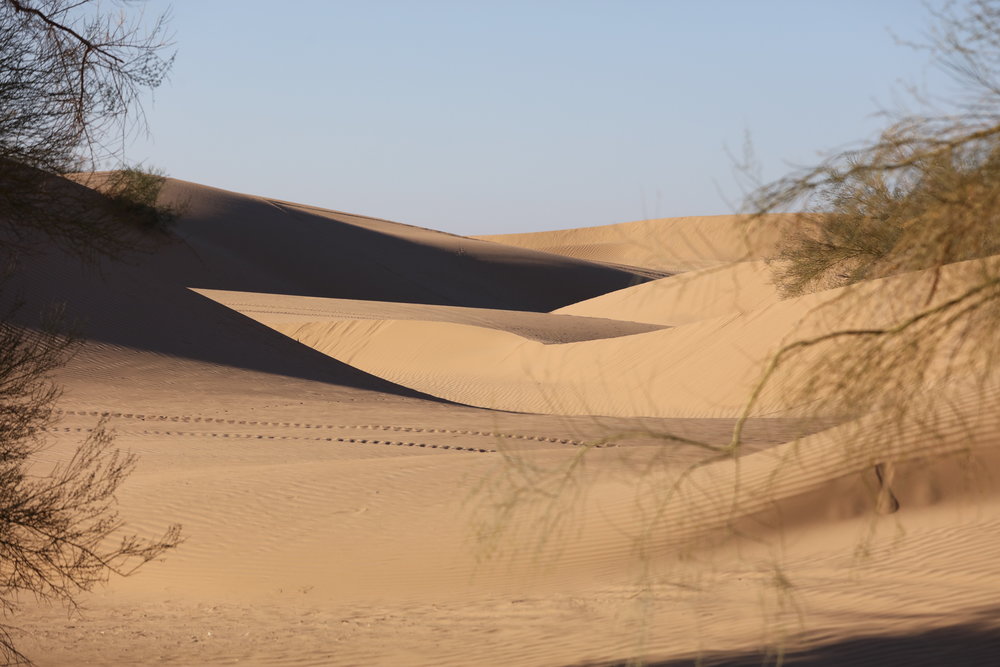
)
(476, 116)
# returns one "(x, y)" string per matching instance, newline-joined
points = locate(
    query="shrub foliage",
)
(134, 192)
(924, 195)
(71, 77)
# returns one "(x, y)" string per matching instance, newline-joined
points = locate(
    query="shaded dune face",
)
(126, 305)
(225, 240)
(252, 244)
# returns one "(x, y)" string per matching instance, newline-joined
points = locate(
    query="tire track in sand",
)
(188, 419)
(256, 436)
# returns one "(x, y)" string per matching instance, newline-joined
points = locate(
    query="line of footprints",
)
(377, 427)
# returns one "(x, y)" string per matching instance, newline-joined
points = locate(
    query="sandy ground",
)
(384, 449)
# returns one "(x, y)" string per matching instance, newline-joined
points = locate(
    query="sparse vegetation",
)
(71, 76)
(60, 534)
(925, 195)
(134, 192)
(874, 218)
(922, 197)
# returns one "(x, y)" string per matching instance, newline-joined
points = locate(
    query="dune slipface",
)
(385, 449)
(240, 242)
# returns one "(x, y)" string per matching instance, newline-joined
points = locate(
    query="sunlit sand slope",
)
(667, 244)
(686, 297)
(312, 540)
(288, 310)
(706, 368)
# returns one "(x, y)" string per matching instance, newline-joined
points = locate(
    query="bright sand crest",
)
(338, 408)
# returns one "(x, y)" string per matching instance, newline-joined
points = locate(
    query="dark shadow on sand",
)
(228, 241)
(970, 644)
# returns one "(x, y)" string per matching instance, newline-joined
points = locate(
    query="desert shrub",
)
(920, 198)
(60, 534)
(905, 208)
(71, 76)
(134, 191)
(924, 195)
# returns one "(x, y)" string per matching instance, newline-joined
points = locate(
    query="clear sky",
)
(492, 116)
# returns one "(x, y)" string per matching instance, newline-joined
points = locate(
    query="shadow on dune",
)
(238, 242)
(118, 304)
(971, 644)
(248, 244)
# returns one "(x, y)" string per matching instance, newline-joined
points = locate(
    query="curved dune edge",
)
(502, 371)
(234, 241)
(686, 297)
(541, 327)
(665, 244)
(702, 369)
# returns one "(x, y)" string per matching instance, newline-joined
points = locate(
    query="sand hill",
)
(668, 245)
(390, 445)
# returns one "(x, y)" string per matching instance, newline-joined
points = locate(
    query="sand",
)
(340, 409)
(734, 288)
(666, 245)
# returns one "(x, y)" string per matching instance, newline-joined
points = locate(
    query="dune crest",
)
(686, 297)
(670, 245)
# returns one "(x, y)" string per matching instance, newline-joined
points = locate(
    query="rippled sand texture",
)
(348, 415)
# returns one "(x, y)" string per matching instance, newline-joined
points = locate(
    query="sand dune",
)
(239, 242)
(545, 328)
(283, 565)
(669, 245)
(686, 297)
(254, 244)
(706, 368)
(340, 411)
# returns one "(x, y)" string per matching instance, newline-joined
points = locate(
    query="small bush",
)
(912, 201)
(924, 195)
(60, 533)
(134, 192)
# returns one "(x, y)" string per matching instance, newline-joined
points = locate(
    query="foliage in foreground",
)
(71, 77)
(133, 192)
(925, 195)
(910, 202)
(60, 534)
(905, 209)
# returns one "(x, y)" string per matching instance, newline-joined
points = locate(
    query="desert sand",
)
(390, 445)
